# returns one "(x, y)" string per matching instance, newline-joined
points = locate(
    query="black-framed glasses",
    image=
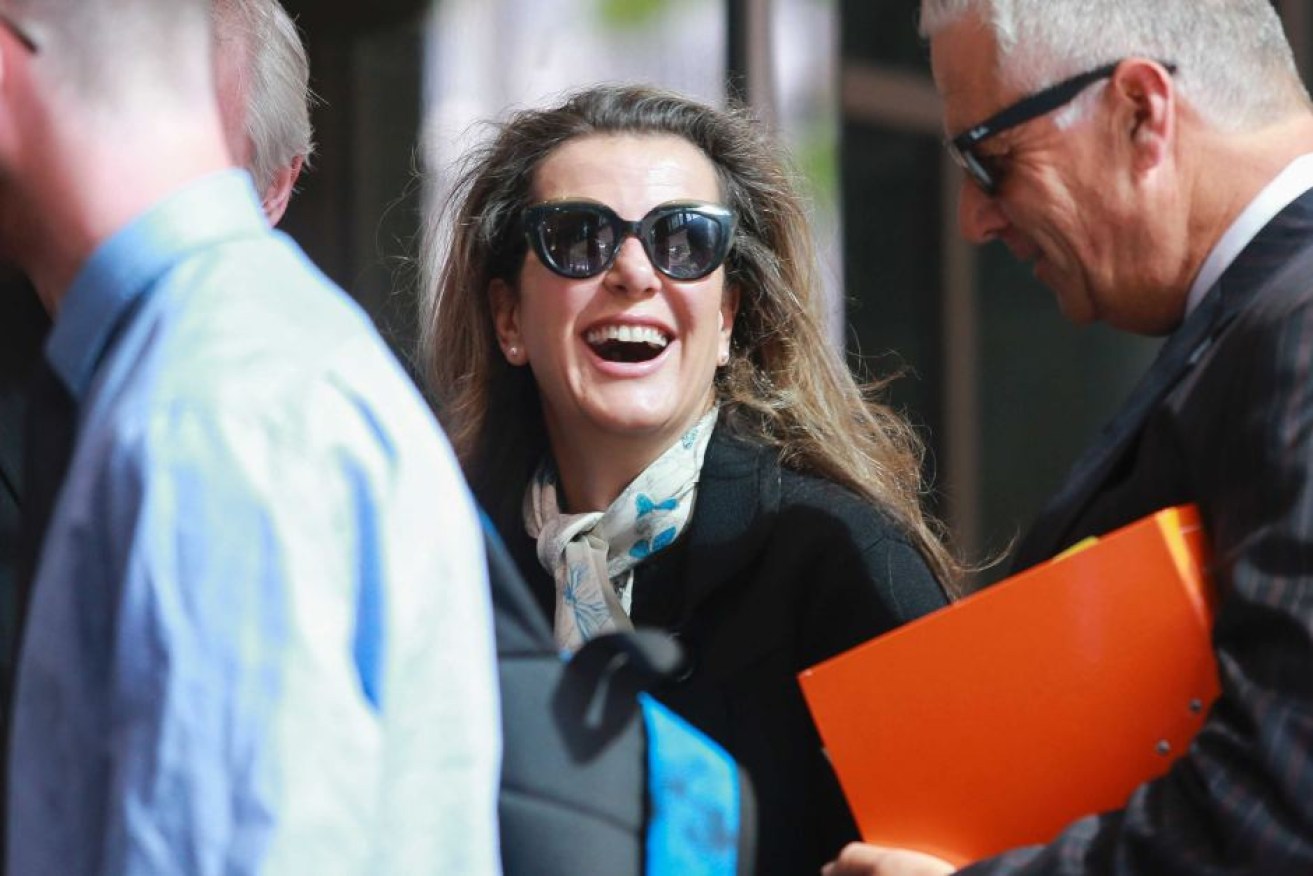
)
(18, 32)
(978, 167)
(685, 240)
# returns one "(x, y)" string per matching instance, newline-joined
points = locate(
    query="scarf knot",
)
(592, 555)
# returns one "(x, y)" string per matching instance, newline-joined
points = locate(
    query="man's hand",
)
(859, 859)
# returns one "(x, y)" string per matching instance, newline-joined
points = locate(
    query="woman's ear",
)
(506, 321)
(729, 309)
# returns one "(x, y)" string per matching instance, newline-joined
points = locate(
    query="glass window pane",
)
(803, 46)
(1047, 387)
(487, 56)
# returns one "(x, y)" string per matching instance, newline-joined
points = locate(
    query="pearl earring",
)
(513, 353)
(724, 358)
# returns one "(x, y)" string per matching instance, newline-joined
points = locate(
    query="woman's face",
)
(629, 353)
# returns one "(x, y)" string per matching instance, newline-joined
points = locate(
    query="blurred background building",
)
(1006, 392)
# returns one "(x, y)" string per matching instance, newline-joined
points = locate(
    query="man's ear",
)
(279, 192)
(1145, 97)
(506, 321)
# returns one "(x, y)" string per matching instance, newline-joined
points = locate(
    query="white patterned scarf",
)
(592, 555)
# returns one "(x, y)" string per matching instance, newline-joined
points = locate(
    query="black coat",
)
(775, 572)
(1223, 418)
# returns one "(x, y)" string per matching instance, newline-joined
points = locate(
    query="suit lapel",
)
(1257, 265)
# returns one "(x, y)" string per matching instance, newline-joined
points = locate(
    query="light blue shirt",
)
(260, 637)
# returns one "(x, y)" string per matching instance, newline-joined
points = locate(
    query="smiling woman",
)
(625, 344)
(624, 354)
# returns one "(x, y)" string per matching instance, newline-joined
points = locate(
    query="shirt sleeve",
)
(303, 671)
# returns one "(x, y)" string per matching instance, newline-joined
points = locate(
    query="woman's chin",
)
(638, 423)
(630, 418)
(654, 407)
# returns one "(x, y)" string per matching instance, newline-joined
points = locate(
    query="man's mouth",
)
(627, 343)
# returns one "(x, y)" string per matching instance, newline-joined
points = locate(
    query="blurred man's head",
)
(264, 95)
(107, 106)
(1116, 187)
(101, 51)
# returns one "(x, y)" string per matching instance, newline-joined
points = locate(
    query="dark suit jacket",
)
(1223, 418)
(775, 572)
(23, 327)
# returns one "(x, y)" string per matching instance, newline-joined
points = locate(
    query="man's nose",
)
(979, 217)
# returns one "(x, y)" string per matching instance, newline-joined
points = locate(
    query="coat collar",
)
(738, 499)
(1258, 266)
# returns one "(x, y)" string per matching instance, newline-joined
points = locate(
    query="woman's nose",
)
(632, 272)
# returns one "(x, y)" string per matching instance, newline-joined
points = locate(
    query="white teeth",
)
(628, 334)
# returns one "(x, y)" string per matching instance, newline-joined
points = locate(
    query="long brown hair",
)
(784, 386)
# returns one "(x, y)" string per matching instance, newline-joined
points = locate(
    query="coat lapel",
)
(738, 498)
(1258, 264)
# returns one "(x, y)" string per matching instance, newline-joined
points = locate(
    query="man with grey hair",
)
(264, 95)
(1154, 161)
(259, 637)
(263, 81)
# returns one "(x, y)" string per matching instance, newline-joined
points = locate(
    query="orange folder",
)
(998, 720)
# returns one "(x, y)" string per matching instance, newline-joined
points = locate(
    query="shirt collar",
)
(124, 267)
(1288, 185)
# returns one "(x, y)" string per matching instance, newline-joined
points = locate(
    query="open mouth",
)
(627, 343)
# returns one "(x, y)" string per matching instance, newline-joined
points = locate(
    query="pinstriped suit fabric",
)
(1224, 418)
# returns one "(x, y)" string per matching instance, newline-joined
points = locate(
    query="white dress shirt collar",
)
(1288, 185)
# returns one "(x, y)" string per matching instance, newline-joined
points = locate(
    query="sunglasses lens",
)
(686, 244)
(576, 242)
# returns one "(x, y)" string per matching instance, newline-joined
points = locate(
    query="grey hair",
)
(1234, 65)
(278, 97)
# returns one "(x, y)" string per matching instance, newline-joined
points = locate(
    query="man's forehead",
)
(964, 61)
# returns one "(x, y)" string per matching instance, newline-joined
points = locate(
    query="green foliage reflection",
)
(629, 14)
